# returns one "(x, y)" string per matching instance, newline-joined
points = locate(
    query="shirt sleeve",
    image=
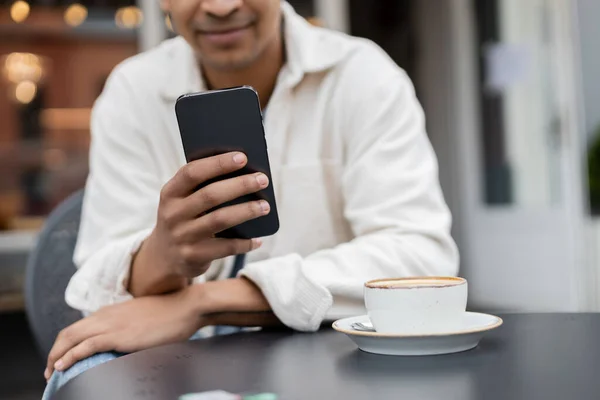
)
(120, 201)
(395, 207)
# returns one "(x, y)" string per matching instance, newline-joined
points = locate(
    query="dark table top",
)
(532, 356)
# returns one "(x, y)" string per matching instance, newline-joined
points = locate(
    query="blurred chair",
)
(49, 268)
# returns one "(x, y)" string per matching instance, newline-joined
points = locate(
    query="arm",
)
(120, 202)
(392, 201)
(236, 302)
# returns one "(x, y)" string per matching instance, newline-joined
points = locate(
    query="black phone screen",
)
(221, 121)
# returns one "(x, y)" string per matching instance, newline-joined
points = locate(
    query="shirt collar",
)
(308, 50)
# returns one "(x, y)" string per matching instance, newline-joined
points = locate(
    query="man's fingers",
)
(69, 338)
(220, 192)
(227, 217)
(214, 249)
(85, 349)
(227, 247)
(222, 219)
(196, 172)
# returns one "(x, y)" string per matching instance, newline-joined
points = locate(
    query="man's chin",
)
(227, 62)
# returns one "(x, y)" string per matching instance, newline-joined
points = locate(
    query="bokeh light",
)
(129, 17)
(20, 67)
(25, 92)
(75, 14)
(19, 11)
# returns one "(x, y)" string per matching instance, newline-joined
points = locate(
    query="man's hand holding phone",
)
(183, 243)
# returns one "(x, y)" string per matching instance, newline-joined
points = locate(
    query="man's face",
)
(228, 34)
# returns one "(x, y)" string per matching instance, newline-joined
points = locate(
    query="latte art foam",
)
(414, 283)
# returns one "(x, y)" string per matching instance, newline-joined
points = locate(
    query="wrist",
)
(150, 274)
(235, 302)
(229, 296)
(199, 298)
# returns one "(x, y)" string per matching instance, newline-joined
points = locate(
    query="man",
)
(353, 171)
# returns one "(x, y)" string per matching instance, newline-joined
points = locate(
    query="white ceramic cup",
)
(420, 305)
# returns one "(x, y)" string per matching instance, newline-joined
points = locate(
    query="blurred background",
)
(511, 90)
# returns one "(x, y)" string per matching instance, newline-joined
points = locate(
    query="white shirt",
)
(355, 177)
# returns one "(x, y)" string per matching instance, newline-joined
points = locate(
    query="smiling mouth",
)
(225, 37)
(223, 31)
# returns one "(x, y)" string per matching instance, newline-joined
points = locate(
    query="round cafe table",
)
(532, 356)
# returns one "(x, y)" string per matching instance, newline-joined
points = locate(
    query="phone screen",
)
(221, 121)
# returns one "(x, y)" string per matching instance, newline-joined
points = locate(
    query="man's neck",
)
(261, 74)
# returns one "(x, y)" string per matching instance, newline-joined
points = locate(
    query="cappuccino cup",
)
(421, 305)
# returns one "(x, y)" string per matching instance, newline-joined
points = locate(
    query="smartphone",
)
(221, 121)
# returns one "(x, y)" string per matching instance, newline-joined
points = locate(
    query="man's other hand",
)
(127, 327)
(151, 321)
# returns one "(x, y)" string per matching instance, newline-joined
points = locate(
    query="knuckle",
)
(254, 209)
(72, 356)
(69, 357)
(238, 246)
(91, 346)
(65, 335)
(245, 246)
(179, 235)
(164, 216)
(168, 215)
(52, 357)
(208, 197)
(222, 164)
(187, 172)
(184, 177)
(250, 183)
(161, 215)
(218, 221)
(164, 194)
(187, 253)
(202, 256)
(232, 247)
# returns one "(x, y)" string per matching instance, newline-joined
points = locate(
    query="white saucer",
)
(474, 326)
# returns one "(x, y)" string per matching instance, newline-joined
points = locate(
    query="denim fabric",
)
(58, 379)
